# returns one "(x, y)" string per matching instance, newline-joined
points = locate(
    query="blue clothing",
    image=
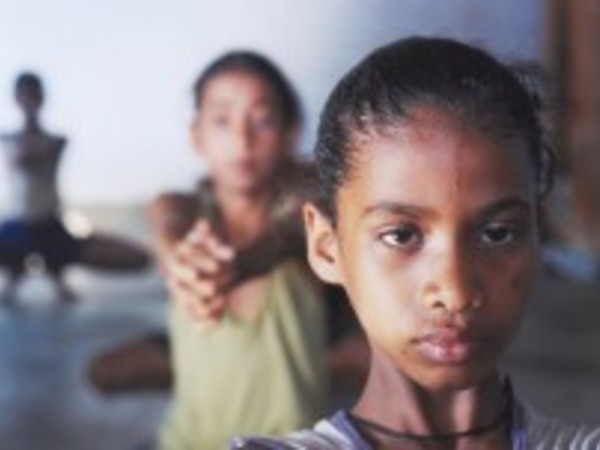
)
(47, 237)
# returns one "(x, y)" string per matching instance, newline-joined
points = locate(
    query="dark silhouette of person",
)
(33, 222)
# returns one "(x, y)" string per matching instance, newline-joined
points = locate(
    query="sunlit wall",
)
(119, 72)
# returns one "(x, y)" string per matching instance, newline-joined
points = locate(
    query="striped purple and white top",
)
(530, 431)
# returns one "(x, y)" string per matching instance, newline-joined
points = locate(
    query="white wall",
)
(118, 72)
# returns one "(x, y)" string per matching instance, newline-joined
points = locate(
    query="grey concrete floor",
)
(45, 400)
(46, 403)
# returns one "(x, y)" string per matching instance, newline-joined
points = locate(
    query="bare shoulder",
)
(8, 138)
(174, 204)
(298, 175)
(52, 144)
(294, 186)
(174, 200)
(172, 214)
(59, 142)
(36, 141)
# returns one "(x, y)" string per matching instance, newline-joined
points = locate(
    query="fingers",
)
(197, 283)
(203, 312)
(198, 272)
(202, 235)
(202, 262)
(203, 245)
(187, 263)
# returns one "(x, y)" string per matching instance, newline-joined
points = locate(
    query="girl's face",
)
(436, 244)
(239, 131)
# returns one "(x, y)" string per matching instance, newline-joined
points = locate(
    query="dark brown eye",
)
(266, 122)
(493, 235)
(403, 236)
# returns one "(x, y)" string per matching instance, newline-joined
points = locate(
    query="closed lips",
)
(450, 346)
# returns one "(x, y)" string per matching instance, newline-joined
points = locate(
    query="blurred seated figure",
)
(32, 226)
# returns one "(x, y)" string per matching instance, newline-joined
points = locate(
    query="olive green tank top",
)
(261, 376)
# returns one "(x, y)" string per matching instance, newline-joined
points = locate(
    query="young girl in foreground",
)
(432, 169)
(246, 323)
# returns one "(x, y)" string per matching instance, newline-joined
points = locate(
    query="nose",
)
(242, 139)
(452, 282)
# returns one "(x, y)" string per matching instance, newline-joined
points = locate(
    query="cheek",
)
(269, 146)
(382, 294)
(267, 157)
(215, 163)
(210, 146)
(509, 285)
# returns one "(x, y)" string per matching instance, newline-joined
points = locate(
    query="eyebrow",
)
(387, 207)
(226, 102)
(398, 209)
(511, 203)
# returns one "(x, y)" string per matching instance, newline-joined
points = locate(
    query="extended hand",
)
(198, 273)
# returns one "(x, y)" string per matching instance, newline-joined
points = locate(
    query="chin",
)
(454, 378)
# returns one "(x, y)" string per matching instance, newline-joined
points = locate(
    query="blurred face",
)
(436, 244)
(30, 99)
(240, 132)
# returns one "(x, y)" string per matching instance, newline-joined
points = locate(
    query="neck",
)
(245, 215)
(419, 411)
(32, 123)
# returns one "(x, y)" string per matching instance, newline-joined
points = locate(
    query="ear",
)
(322, 245)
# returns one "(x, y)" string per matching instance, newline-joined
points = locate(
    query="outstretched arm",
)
(284, 239)
(171, 218)
(200, 269)
(195, 263)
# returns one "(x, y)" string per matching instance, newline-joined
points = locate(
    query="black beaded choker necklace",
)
(505, 417)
